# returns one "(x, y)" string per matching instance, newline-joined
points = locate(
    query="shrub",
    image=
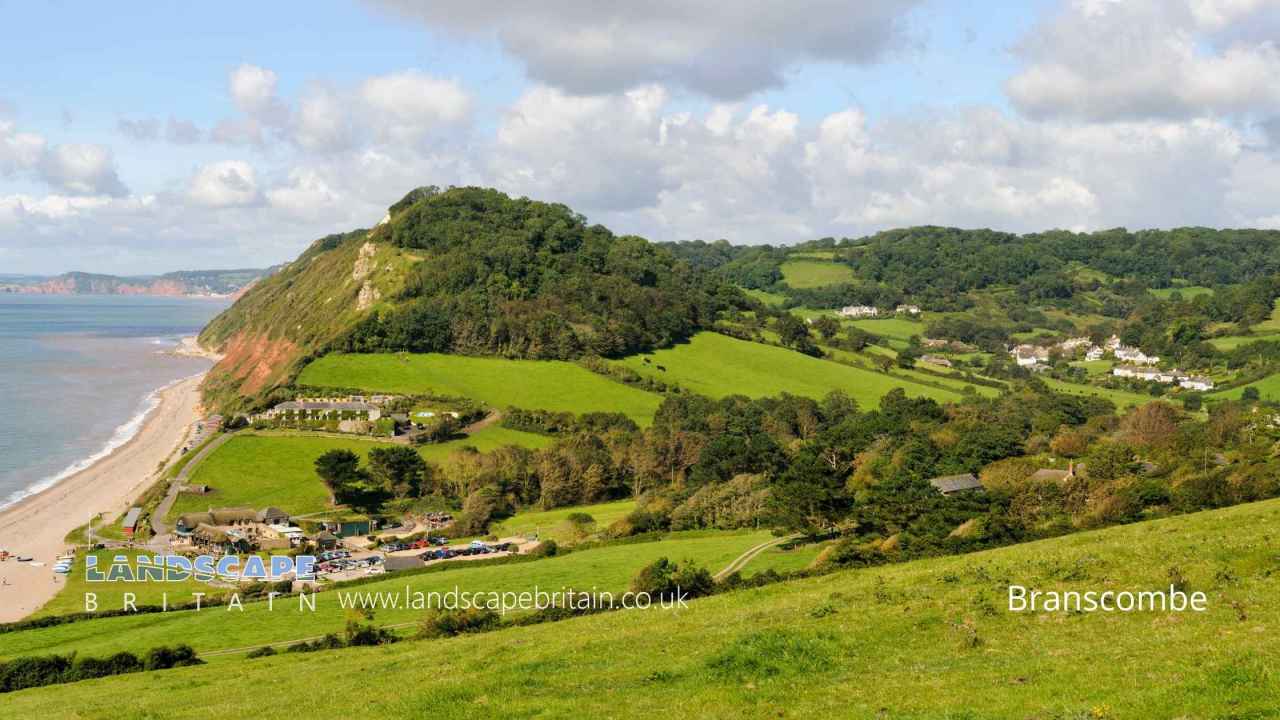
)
(265, 651)
(456, 622)
(665, 579)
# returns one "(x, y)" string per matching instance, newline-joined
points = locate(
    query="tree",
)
(793, 332)
(1110, 460)
(583, 524)
(1153, 424)
(1250, 394)
(338, 468)
(398, 470)
(827, 326)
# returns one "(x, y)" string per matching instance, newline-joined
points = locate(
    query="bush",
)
(164, 657)
(456, 622)
(265, 651)
(29, 672)
(546, 548)
(664, 579)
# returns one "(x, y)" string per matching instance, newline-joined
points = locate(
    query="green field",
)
(1094, 367)
(1187, 291)
(872, 352)
(553, 524)
(1122, 398)
(1268, 389)
(279, 470)
(717, 365)
(896, 328)
(768, 298)
(1231, 342)
(814, 273)
(927, 639)
(606, 568)
(528, 384)
(779, 560)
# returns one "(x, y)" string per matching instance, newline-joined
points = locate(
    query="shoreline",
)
(37, 525)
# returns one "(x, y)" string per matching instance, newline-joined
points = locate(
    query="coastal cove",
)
(107, 395)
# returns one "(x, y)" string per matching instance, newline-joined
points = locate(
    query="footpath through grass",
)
(718, 365)
(928, 639)
(528, 384)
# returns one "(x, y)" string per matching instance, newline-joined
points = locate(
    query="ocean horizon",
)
(79, 374)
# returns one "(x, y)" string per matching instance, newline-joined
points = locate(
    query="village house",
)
(907, 309)
(220, 517)
(1112, 343)
(266, 529)
(294, 535)
(322, 410)
(952, 484)
(858, 311)
(1094, 353)
(936, 360)
(1070, 345)
(1196, 383)
(1135, 356)
(1055, 475)
(215, 539)
(1030, 355)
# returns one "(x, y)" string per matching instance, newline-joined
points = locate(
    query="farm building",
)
(1055, 475)
(952, 484)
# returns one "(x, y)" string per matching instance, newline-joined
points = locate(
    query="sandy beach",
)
(38, 525)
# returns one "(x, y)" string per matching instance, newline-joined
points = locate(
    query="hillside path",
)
(180, 481)
(746, 557)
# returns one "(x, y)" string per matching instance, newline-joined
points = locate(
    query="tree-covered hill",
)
(463, 270)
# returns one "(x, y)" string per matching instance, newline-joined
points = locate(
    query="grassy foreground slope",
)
(279, 470)
(928, 639)
(220, 628)
(718, 365)
(528, 384)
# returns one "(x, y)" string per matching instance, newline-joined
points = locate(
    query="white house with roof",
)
(1196, 382)
(908, 309)
(1029, 355)
(1094, 353)
(858, 311)
(1136, 356)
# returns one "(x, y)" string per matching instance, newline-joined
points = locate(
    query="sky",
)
(142, 138)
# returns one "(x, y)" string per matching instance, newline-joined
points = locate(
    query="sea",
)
(78, 374)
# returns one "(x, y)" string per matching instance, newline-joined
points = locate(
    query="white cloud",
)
(230, 183)
(306, 195)
(403, 107)
(1106, 60)
(589, 47)
(82, 169)
(253, 89)
(18, 150)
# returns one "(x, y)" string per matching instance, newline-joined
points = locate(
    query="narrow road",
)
(157, 518)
